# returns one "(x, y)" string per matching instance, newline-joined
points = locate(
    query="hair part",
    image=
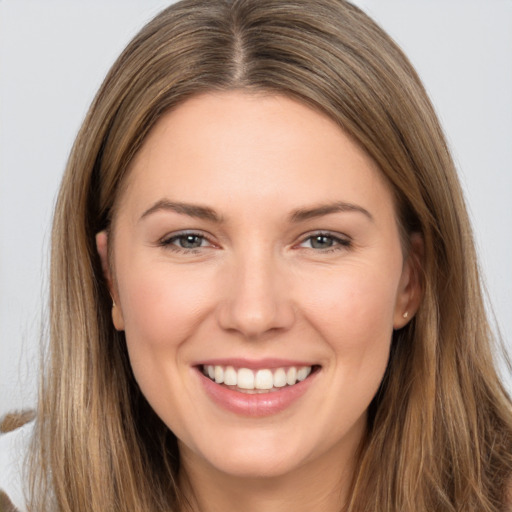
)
(439, 434)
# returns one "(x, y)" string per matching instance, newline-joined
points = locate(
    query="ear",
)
(102, 248)
(410, 289)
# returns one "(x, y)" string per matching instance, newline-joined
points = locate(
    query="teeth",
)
(245, 379)
(303, 373)
(230, 377)
(264, 379)
(219, 374)
(279, 378)
(291, 376)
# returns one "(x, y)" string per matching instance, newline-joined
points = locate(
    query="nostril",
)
(254, 320)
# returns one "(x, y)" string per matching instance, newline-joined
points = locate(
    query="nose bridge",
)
(256, 297)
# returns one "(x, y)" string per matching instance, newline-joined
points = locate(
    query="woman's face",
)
(258, 275)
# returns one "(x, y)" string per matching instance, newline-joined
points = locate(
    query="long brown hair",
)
(439, 434)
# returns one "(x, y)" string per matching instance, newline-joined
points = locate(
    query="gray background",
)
(54, 54)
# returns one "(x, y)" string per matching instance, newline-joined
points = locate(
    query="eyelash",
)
(170, 242)
(338, 243)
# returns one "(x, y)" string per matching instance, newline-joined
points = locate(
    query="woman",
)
(264, 290)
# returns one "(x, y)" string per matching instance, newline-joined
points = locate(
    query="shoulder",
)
(14, 441)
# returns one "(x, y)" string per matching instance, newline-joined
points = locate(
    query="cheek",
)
(160, 307)
(353, 313)
(161, 311)
(354, 306)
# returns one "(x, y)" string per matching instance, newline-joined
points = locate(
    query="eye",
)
(185, 241)
(189, 241)
(325, 242)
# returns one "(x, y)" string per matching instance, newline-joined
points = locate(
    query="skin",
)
(258, 287)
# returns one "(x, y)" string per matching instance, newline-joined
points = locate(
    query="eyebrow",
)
(303, 214)
(192, 210)
(299, 215)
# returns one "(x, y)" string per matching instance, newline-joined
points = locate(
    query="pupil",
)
(321, 242)
(190, 241)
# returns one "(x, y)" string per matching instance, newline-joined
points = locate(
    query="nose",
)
(256, 298)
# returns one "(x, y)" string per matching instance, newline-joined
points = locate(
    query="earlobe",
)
(102, 248)
(117, 317)
(411, 284)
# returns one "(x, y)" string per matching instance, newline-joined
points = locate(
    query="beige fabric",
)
(6, 504)
(15, 420)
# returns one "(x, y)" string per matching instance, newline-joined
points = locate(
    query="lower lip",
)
(258, 404)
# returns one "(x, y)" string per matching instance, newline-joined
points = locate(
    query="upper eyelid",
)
(341, 243)
(169, 241)
(185, 232)
(335, 235)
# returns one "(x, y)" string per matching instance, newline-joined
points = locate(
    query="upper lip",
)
(254, 364)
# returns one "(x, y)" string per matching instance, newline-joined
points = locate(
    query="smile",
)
(256, 388)
(263, 380)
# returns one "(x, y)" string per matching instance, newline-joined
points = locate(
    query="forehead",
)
(234, 148)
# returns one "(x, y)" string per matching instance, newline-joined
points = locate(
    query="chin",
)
(260, 467)
(251, 459)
